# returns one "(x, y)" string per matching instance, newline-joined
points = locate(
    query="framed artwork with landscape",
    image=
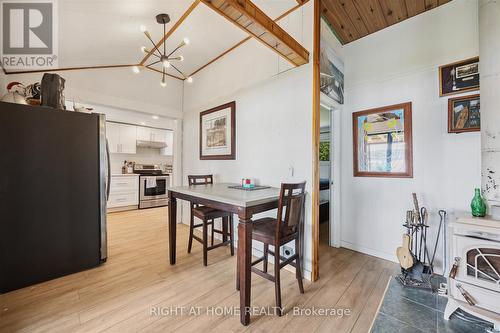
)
(464, 114)
(217, 133)
(382, 142)
(459, 77)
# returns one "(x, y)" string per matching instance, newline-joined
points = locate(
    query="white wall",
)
(400, 64)
(118, 88)
(489, 23)
(273, 115)
(124, 97)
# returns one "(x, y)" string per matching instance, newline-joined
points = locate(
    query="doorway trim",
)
(315, 140)
(335, 168)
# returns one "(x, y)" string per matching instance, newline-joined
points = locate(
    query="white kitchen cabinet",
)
(121, 138)
(169, 139)
(128, 137)
(124, 192)
(143, 133)
(113, 136)
(151, 134)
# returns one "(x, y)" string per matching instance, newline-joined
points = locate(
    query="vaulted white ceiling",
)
(106, 32)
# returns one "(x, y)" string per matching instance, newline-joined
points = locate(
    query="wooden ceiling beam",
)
(170, 32)
(248, 17)
(243, 41)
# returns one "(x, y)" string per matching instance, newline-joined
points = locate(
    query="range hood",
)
(151, 144)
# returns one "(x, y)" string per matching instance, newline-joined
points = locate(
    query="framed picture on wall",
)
(331, 73)
(217, 133)
(464, 114)
(382, 142)
(459, 77)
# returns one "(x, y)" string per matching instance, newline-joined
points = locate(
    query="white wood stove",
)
(475, 246)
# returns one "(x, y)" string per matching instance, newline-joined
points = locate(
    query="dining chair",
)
(290, 228)
(207, 215)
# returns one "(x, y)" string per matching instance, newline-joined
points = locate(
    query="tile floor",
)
(417, 310)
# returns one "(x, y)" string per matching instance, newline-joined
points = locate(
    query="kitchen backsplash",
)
(143, 156)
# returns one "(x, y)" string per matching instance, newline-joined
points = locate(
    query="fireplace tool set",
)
(414, 255)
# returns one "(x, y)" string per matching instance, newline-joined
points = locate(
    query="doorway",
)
(329, 170)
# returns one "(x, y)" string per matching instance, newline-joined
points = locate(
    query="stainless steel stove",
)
(153, 185)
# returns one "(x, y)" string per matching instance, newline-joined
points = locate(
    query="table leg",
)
(244, 262)
(172, 227)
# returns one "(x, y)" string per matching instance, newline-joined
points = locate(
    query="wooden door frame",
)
(315, 140)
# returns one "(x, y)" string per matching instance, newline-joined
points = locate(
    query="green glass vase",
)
(477, 204)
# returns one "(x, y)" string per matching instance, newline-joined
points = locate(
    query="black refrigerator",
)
(54, 182)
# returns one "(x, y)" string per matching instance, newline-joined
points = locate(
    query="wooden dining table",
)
(245, 204)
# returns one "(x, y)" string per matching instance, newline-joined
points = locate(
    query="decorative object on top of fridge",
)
(81, 108)
(53, 91)
(15, 93)
(34, 94)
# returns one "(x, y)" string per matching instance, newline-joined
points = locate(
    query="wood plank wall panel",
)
(429, 4)
(372, 15)
(415, 7)
(351, 11)
(394, 11)
(354, 19)
(340, 21)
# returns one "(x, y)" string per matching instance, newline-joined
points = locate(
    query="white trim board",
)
(371, 252)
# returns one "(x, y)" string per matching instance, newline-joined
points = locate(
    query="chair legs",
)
(205, 241)
(298, 266)
(266, 254)
(231, 233)
(227, 224)
(213, 232)
(277, 280)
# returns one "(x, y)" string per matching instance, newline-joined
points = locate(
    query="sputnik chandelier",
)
(162, 58)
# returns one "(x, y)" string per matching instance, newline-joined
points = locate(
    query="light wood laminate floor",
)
(120, 295)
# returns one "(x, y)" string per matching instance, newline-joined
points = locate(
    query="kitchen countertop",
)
(124, 174)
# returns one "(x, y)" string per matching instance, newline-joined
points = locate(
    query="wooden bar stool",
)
(207, 215)
(268, 231)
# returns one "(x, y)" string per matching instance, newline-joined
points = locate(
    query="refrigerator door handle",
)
(108, 162)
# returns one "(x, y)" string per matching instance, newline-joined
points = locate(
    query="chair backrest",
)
(200, 179)
(290, 209)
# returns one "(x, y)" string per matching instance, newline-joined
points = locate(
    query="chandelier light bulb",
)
(166, 63)
(143, 28)
(136, 69)
(181, 58)
(144, 49)
(186, 41)
(163, 83)
(189, 79)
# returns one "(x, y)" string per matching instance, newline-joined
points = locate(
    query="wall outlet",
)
(288, 251)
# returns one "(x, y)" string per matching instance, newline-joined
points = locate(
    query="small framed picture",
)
(382, 142)
(464, 114)
(459, 77)
(217, 133)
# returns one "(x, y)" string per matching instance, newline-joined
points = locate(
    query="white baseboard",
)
(366, 250)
